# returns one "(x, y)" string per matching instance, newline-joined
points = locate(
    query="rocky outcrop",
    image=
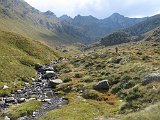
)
(102, 85)
(155, 76)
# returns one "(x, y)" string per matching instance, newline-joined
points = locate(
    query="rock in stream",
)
(41, 89)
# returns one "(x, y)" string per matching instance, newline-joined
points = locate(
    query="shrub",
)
(86, 79)
(23, 109)
(133, 94)
(116, 88)
(90, 95)
(88, 64)
(66, 87)
(78, 75)
(130, 84)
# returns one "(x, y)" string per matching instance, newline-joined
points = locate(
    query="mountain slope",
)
(92, 29)
(116, 38)
(145, 30)
(17, 58)
(155, 36)
(145, 26)
(48, 28)
(19, 17)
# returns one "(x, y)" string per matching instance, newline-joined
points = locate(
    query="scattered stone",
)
(64, 51)
(40, 89)
(21, 100)
(152, 77)
(34, 114)
(53, 83)
(33, 79)
(2, 104)
(49, 74)
(23, 118)
(49, 68)
(67, 71)
(26, 84)
(19, 91)
(46, 100)
(5, 87)
(32, 99)
(102, 85)
(6, 118)
(10, 100)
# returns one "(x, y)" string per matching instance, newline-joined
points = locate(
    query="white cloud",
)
(98, 8)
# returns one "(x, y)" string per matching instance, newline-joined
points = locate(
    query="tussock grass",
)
(151, 113)
(23, 109)
(125, 72)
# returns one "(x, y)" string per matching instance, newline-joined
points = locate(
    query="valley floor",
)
(133, 77)
(126, 72)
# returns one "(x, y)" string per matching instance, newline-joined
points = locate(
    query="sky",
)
(98, 8)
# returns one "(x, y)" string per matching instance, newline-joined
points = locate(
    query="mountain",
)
(122, 21)
(155, 36)
(116, 38)
(19, 17)
(145, 30)
(149, 24)
(64, 18)
(92, 29)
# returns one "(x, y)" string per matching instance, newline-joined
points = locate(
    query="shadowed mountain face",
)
(92, 29)
(116, 38)
(84, 29)
(145, 26)
(145, 30)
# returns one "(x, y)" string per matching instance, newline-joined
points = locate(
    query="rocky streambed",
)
(41, 89)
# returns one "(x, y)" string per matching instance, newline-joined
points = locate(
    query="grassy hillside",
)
(19, 17)
(155, 36)
(145, 26)
(125, 72)
(36, 32)
(151, 113)
(17, 58)
(116, 38)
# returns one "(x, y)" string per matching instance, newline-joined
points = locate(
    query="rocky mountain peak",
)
(49, 13)
(116, 17)
(65, 18)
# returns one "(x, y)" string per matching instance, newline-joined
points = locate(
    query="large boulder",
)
(49, 74)
(155, 76)
(53, 83)
(102, 85)
(48, 68)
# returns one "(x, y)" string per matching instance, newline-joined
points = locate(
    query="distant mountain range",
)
(89, 29)
(19, 17)
(145, 30)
